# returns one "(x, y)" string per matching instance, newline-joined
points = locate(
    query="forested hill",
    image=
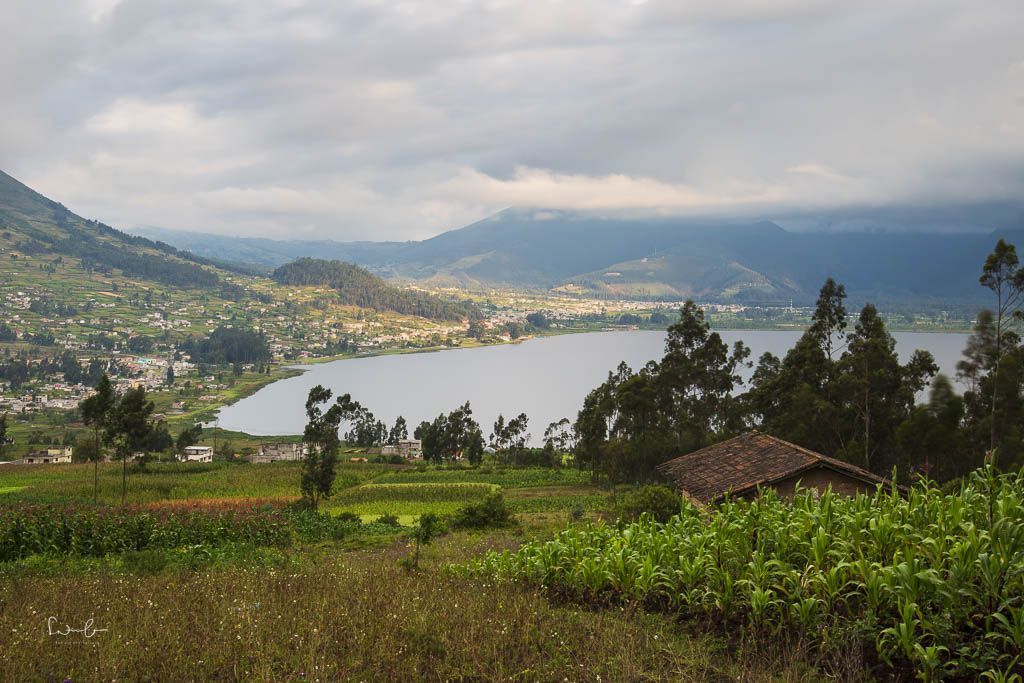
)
(33, 224)
(359, 287)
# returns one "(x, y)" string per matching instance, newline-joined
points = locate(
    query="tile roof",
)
(747, 461)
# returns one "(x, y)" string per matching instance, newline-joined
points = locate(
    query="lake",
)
(546, 378)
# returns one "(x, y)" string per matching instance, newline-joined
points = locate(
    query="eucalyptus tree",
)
(128, 427)
(696, 379)
(876, 391)
(1002, 274)
(322, 441)
(95, 412)
(399, 432)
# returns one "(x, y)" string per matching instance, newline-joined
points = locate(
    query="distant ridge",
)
(896, 254)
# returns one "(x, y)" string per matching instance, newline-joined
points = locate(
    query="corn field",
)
(930, 585)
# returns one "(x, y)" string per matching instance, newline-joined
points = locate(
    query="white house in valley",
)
(198, 454)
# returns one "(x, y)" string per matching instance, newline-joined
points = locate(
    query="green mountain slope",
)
(907, 255)
(66, 280)
(34, 224)
(359, 287)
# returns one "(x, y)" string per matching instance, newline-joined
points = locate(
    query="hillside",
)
(359, 287)
(902, 255)
(69, 282)
(34, 224)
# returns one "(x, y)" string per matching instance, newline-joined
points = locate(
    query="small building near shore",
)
(61, 452)
(274, 452)
(742, 466)
(410, 448)
(52, 456)
(198, 454)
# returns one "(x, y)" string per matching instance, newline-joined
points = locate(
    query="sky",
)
(399, 120)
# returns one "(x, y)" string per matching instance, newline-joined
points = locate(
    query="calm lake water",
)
(546, 378)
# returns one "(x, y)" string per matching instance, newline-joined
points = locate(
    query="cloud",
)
(817, 170)
(530, 187)
(369, 120)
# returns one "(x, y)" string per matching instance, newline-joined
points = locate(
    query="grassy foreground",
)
(323, 615)
(207, 575)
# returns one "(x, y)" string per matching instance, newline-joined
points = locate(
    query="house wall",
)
(821, 478)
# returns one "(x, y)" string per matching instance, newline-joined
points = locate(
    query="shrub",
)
(488, 513)
(145, 561)
(347, 516)
(660, 502)
(388, 519)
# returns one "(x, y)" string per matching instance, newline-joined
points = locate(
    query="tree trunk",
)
(96, 469)
(124, 478)
(995, 370)
(867, 430)
(995, 395)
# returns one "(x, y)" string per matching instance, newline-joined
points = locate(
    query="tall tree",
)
(876, 390)
(696, 379)
(510, 438)
(95, 411)
(128, 427)
(188, 437)
(559, 436)
(930, 439)
(399, 432)
(322, 441)
(1002, 274)
(829, 322)
(449, 435)
(794, 398)
(3, 432)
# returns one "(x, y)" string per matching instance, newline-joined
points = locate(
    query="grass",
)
(275, 595)
(166, 481)
(507, 478)
(408, 501)
(366, 489)
(353, 616)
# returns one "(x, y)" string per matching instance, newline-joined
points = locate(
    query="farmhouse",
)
(273, 452)
(198, 454)
(740, 466)
(52, 456)
(407, 448)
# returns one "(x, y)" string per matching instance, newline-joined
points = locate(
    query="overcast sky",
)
(398, 120)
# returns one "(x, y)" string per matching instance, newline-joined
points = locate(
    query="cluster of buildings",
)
(410, 449)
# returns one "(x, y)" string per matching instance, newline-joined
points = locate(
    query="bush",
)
(660, 502)
(388, 519)
(488, 513)
(347, 516)
(145, 561)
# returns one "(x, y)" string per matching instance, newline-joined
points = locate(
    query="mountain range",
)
(911, 255)
(899, 255)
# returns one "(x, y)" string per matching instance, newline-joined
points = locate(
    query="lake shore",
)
(548, 378)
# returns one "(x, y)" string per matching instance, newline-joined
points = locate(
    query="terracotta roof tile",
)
(747, 461)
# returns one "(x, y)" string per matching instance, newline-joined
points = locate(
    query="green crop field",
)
(508, 478)
(931, 585)
(166, 481)
(366, 489)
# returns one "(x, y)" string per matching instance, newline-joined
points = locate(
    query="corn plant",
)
(933, 580)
